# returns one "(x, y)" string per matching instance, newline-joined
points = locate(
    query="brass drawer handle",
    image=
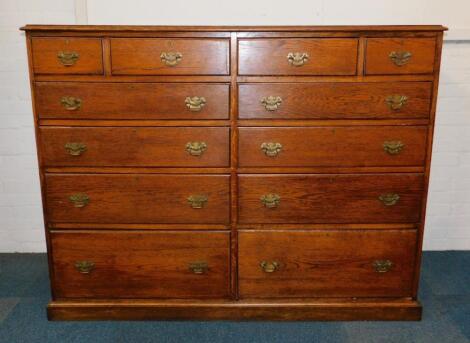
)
(297, 59)
(84, 267)
(68, 58)
(382, 266)
(198, 267)
(79, 199)
(75, 148)
(400, 58)
(393, 147)
(396, 101)
(389, 199)
(70, 103)
(195, 103)
(271, 103)
(171, 59)
(197, 201)
(270, 200)
(271, 149)
(196, 148)
(269, 267)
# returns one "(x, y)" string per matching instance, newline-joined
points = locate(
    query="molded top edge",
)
(158, 28)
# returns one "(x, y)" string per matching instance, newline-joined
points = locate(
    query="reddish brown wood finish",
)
(421, 62)
(142, 56)
(137, 198)
(325, 56)
(326, 263)
(141, 264)
(345, 146)
(261, 309)
(335, 100)
(135, 146)
(45, 51)
(131, 100)
(308, 198)
(148, 97)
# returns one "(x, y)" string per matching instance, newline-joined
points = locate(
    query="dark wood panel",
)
(137, 198)
(131, 100)
(380, 61)
(341, 198)
(346, 100)
(88, 55)
(338, 146)
(141, 264)
(325, 263)
(320, 56)
(313, 309)
(134, 146)
(142, 56)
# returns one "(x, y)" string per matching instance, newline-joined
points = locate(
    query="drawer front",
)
(346, 100)
(140, 264)
(400, 56)
(343, 198)
(322, 56)
(135, 146)
(84, 100)
(158, 56)
(332, 146)
(137, 198)
(329, 263)
(67, 56)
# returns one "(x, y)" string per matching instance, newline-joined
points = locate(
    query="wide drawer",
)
(346, 100)
(137, 198)
(67, 55)
(333, 263)
(85, 100)
(323, 56)
(135, 146)
(332, 146)
(330, 198)
(139, 264)
(160, 56)
(400, 56)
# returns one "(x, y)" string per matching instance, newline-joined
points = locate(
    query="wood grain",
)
(379, 49)
(45, 50)
(269, 56)
(131, 100)
(135, 147)
(359, 100)
(330, 147)
(141, 264)
(341, 198)
(138, 198)
(326, 263)
(139, 56)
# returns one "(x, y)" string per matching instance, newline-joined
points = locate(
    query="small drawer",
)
(358, 146)
(330, 198)
(135, 146)
(333, 263)
(85, 100)
(67, 55)
(110, 264)
(345, 100)
(324, 56)
(386, 56)
(159, 56)
(138, 198)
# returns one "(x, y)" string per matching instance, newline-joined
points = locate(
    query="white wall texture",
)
(448, 217)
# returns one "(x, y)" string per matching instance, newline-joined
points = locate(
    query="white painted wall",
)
(448, 219)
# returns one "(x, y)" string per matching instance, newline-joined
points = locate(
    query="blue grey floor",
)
(445, 294)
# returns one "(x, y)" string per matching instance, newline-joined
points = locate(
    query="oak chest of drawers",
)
(234, 172)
